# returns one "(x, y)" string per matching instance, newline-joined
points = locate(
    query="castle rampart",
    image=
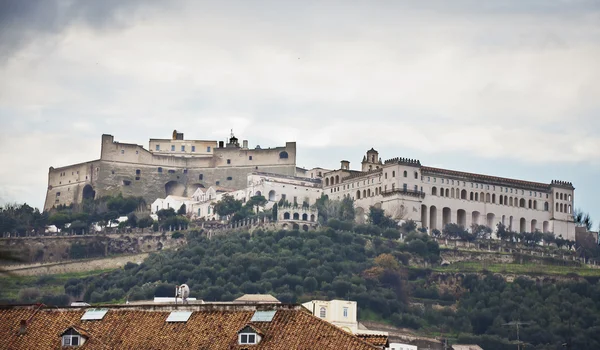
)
(134, 171)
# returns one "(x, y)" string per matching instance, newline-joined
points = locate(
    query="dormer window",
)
(71, 340)
(249, 335)
(247, 338)
(73, 337)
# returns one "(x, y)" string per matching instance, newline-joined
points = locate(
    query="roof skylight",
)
(94, 314)
(179, 316)
(263, 316)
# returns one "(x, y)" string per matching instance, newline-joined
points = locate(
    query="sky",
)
(508, 88)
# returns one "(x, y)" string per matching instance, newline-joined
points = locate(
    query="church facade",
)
(434, 197)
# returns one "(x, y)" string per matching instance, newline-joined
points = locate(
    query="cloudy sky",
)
(508, 88)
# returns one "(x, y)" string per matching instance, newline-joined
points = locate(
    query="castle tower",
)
(371, 160)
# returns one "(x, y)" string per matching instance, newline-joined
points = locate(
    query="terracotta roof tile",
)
(375, 339)
(145, 327)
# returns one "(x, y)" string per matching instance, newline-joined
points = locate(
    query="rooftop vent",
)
(179, 316)
(263, 316)
(94, 314)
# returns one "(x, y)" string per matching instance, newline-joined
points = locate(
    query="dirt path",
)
(76, 265)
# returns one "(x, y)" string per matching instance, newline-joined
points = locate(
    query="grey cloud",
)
(23, 21)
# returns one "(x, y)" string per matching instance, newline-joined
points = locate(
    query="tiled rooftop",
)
(375, 339)
(145, 327)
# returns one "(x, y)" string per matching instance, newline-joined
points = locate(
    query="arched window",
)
(416, 175)
(569, 209)
(522, 203)
(476, 197)
(394, 173)
(561, 208)
(471, 196)
(545, 206)
(535, 204)
(405, 173)
(296, 216)
(501, 200)
(322, 312)
(556, 206)
(494, 198)
(561, 196)
(358, 194)
(447, 193)
(556, 195)
(326, 181)
(463, 194)
(337, 179)
(530, 204)
(364, 193)
(441, 192)
(283, 155)
(434, 191)
(286, 216)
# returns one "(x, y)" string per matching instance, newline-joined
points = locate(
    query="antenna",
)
(517, 324)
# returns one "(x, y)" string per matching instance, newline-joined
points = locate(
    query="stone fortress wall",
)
(134, 171)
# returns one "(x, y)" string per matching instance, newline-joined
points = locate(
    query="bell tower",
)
(371, 160)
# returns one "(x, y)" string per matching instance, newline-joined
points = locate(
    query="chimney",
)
(345, 165)
(245, 144)
(23, 327)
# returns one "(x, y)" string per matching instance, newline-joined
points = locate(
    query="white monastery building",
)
(435, 197)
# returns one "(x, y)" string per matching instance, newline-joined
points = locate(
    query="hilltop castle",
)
(168, 167)
(404, 188)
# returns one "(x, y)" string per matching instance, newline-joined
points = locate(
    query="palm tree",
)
(582, 219)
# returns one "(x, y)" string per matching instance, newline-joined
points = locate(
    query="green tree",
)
(377, 217)
(227, 206)
(182, 210)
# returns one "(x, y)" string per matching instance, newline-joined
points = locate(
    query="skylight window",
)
(179, 316)
(263, 316)
(94, 314)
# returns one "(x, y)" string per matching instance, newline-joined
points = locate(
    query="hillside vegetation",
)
(298, 266)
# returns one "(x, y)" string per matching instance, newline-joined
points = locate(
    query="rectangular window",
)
(283, 197)
(172, 148)
(158, 147)
(228, 161)
(208, 149)
(201, 177)
(193, 148)
(122, 151)
(250, 158)
(217, 183)
(345, 312)
(295, 200)
(182, 148)
(405, 187)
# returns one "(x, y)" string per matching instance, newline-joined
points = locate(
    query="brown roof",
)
(378, 340)
(259, 298)
(538, 186)
(145, 327)
(466, 347)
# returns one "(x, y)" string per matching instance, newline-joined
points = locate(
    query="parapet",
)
(404, 161)
(562, 184)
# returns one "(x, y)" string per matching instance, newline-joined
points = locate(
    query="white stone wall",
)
(273, 187)
(436, 197)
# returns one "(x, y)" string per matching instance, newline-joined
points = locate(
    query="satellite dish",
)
(183, 292)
